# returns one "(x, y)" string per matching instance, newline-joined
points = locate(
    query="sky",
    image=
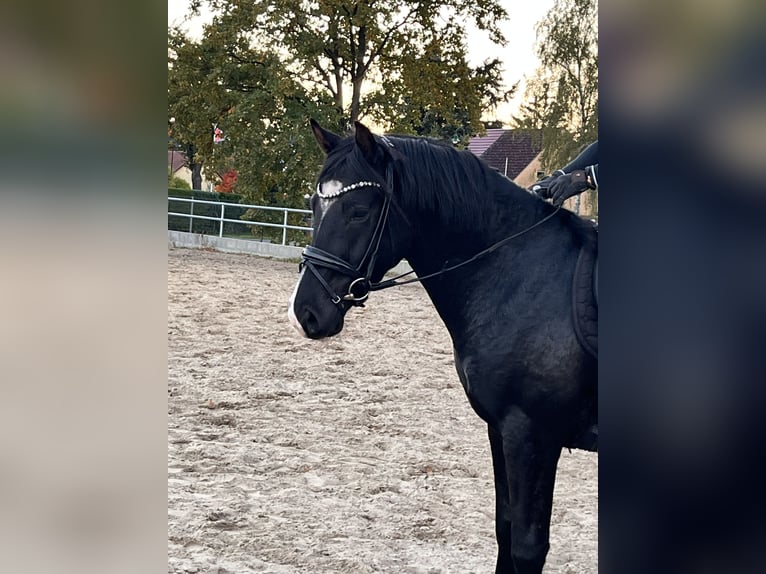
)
(518, 55)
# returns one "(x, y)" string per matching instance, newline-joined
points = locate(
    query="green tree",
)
(434, 92)
(261, 109)
(562, 98)
(263, 67)
(196, 99)
(355, 51)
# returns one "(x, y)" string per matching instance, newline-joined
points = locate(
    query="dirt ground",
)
(351, 455)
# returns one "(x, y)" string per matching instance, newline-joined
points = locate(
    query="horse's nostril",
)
(310, 322)
(316, 326)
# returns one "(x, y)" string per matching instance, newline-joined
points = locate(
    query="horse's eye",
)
(359, 213)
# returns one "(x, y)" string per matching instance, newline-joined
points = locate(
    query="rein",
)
(393, 281)
(360, 287)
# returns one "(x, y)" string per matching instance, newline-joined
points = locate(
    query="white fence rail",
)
(221, 219)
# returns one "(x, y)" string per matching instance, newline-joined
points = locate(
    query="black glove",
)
(542, 187)
(567, 185)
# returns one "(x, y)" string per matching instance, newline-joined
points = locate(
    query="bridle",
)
(361, 285)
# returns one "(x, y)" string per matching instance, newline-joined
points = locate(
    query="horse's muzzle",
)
(313, 325)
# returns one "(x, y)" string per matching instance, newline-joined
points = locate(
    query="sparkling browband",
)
(343, 190)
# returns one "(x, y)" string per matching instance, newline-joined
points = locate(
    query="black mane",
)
(455, 186)
(463, 190)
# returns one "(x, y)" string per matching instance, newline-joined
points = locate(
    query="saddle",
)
(585, 300)
(585, 318)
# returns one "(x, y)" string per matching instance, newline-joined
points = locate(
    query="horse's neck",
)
(439, 243)
(456, 293)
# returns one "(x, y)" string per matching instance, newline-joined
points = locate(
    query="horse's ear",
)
(326, 140)
(365, 140)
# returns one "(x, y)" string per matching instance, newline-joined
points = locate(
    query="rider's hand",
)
(542, 187)
(567, 185)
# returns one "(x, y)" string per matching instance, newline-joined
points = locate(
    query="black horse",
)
(498, 264)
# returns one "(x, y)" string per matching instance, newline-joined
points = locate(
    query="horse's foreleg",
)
(502, 505)
(531, 456)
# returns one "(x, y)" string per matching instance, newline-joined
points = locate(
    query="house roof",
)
(519, 147)
(176, 160)
(479, 144)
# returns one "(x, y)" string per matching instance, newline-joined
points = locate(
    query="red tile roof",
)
(517, 147)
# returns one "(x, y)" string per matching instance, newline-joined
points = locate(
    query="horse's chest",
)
(484, 391)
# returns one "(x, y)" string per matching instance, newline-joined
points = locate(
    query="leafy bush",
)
(177, 183)
(228, 181)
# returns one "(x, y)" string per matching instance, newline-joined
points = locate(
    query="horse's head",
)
(357, 236)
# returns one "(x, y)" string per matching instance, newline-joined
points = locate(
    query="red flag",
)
(217, 134)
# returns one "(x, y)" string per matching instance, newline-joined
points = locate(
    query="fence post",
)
(191, 214)
(220, 229)
(284, 230)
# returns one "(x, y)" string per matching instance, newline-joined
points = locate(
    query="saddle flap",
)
(584, 302)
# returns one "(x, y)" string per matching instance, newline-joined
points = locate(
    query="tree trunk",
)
(359, 72)
(339, 91)
(196, 169)
(355, 99)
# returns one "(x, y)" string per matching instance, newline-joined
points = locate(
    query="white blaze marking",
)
(291, 309)
(328, 187)
(331, 187)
